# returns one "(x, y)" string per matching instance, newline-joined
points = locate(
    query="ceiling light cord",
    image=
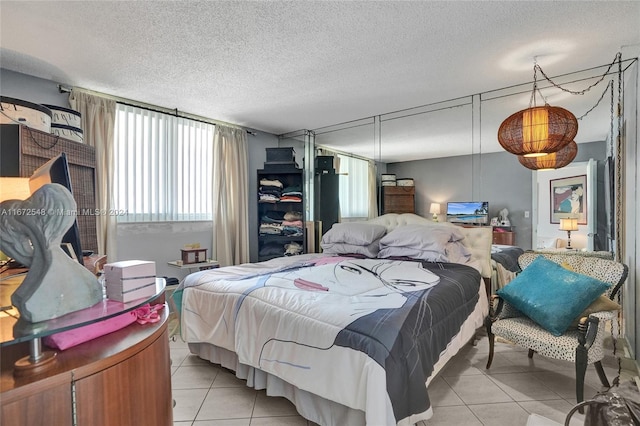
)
(617, 59)
(609, 88)
(537, 67)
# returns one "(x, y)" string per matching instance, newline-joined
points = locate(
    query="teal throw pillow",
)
(551, 295)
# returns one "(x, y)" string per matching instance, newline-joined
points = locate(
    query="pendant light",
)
(555, 160)
(537, 130)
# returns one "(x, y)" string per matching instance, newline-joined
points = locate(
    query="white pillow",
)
(354, 233)
(370, 250)
(547, 242)
(420, 242)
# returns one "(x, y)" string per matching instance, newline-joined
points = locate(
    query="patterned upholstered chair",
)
(583, 344)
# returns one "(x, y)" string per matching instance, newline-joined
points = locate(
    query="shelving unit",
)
(273, 240)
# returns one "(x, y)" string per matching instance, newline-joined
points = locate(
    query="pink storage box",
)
(129, 280)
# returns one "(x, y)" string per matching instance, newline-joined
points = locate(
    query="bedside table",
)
(200, 266)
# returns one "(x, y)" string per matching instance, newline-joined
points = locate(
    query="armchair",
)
(581, 344)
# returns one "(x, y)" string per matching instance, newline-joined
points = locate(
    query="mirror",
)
(345, 181)
(450, 151)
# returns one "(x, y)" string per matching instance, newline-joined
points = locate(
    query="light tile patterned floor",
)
(464, 393)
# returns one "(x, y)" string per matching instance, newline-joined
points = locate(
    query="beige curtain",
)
(230, 196)
(373, 190)
(98, 125)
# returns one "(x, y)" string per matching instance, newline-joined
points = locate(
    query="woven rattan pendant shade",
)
(537, 131)
(554, 160)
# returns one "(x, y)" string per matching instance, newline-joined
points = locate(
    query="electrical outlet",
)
(526, 214)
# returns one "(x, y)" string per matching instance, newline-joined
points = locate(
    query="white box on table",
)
(129, 280)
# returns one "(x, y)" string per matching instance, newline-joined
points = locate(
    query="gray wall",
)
(503, 182)
(31, 89)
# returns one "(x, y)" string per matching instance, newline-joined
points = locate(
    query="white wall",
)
(161, 243)
(544, 227)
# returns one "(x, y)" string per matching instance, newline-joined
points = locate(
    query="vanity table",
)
(122, 378)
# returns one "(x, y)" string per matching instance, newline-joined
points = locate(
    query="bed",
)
(352, 335)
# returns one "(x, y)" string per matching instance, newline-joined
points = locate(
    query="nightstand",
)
(200, 266)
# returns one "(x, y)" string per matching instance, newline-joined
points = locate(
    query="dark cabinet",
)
(327, 203)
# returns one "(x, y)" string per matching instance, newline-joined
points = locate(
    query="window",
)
(354, 187)
(163, 166)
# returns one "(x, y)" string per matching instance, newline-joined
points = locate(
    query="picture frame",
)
(568, 198)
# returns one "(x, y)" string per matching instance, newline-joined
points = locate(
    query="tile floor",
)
(464, 393)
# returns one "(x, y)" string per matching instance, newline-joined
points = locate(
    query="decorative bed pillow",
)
(420, 242)
(356, 233)
(457, 252)
(413, 253)
(370, 250)
(547, 242)
(602, 303)
(551, 295)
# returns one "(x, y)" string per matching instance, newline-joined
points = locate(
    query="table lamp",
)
(14, 188)
(569, 224)
(435, 210)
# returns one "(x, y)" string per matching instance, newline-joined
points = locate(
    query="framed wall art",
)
(569, 198)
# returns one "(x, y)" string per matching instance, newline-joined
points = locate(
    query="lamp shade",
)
(14, 188)
(537, 131)
(434, 208)
(551, 161)
(569, 224)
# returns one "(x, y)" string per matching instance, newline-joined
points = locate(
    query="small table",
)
(201, 266)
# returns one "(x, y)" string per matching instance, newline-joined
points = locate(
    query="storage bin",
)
(404, 182)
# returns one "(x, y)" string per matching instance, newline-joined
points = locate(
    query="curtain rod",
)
(175, 112)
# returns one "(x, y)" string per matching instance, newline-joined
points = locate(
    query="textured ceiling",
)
(282, 66)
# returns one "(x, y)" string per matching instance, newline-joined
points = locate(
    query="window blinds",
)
(163, 166)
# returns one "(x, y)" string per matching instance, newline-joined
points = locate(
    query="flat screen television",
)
(56, 170)
(468, 212)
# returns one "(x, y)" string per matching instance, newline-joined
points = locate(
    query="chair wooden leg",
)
(581, 370)
(491, 338)
(531, 352)
(601, 374)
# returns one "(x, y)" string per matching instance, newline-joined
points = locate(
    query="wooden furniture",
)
(200, 266)
(504, 236)
(194, 255)
(271, 245)
(23, 150)
(122, 378)
(398, 199)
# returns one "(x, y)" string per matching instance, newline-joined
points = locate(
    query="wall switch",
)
(526, 214)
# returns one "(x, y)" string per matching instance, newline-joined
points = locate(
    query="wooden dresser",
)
(504, 236)
(122, 378)
(398, 199)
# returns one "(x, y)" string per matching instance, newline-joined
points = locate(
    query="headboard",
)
(478, 239)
